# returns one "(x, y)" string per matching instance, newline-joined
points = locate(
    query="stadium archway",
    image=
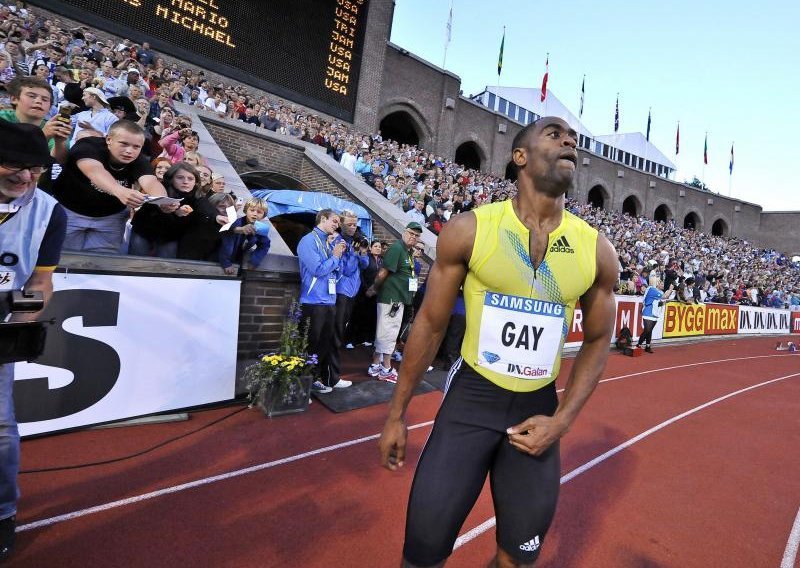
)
(511, 171)
(719, 228)
(692, 221)
(400, 127)
(271, 180)
(662, 213)
(400, 120)
(468, 154)
(597, 197)
(631, 206)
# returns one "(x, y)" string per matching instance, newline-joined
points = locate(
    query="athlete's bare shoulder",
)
(457, 239)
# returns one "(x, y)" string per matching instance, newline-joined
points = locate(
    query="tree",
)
(697, 183)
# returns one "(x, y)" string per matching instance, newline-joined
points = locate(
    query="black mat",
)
(364, 393)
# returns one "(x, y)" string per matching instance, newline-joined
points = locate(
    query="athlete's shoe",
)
(389, 375)
(320, 388)
(367, 344)
(397, 356)
(648, 349)
(374, 369)
(349, 346)
(342, 384)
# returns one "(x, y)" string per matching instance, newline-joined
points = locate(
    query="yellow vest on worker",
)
(517, 315)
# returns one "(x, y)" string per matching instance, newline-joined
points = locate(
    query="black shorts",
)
(468, 441)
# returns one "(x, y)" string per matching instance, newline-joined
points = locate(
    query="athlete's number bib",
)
(520, 337)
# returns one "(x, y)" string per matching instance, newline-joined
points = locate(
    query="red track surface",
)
(718, 488)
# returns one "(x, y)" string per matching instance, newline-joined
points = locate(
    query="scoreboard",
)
(307, 51)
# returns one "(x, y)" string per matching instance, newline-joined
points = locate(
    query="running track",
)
(698, 467)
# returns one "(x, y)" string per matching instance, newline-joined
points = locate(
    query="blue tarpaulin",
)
(285, 201)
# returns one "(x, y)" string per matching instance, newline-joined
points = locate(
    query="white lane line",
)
(698, 364)
(255, 468)
(486, 525)
(790, 554)
(200, 482)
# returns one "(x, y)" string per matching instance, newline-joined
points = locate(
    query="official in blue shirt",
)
(654, 298)
(320, 267)
(353, 261)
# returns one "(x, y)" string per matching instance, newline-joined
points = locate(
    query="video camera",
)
(21, 341)
(360, 239)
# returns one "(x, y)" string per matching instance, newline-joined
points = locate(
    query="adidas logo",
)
(562, 245)
(530, 546)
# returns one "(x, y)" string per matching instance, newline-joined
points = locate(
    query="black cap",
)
(24, 144)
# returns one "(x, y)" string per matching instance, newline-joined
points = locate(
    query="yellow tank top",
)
(518, 316)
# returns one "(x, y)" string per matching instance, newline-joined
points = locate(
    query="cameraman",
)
(354, 260)
(32, 228)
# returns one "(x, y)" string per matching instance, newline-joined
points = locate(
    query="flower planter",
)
(277, 399)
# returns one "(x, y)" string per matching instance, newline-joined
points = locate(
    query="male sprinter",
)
(524, 263)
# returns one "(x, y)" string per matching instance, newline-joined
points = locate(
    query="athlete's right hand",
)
(392, 444)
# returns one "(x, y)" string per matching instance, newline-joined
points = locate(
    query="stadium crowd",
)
(100, 81)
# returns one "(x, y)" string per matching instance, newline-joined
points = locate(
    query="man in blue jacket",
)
(353, 261)
(320, 268)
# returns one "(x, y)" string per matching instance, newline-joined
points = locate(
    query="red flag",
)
(544, 79)
(678, 139)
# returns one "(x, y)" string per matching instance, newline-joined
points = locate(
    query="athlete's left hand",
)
(536, 434)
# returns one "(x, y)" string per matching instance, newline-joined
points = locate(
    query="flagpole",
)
(546, 72)
(449, 31)
(730, 173)
(647, 141)
(705, 157)
(500, 67)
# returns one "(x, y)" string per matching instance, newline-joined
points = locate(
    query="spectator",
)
(362, 323)
(31, 232)
(160, 167)
(270, 121)
(203, 238)
(319, 269)
(348, 159)
(31, 99)
(415, 214)
(354, 259)
(96, 187)
(245, 235)
(189, 142)
(158, 228)
(394, 284)
(96, 121)
(145, 55)
(217, 182)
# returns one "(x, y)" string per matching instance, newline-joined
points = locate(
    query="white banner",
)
(763, 320)
(126, 346)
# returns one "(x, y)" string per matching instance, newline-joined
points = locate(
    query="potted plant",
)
(280, 382)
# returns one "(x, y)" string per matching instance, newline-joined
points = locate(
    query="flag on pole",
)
(678, 139)
(450, 24)
(705, 150)
(544, 79)
(616, 115)
(500, 58)
(583, 92)
(648, 125)
(730, 166)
